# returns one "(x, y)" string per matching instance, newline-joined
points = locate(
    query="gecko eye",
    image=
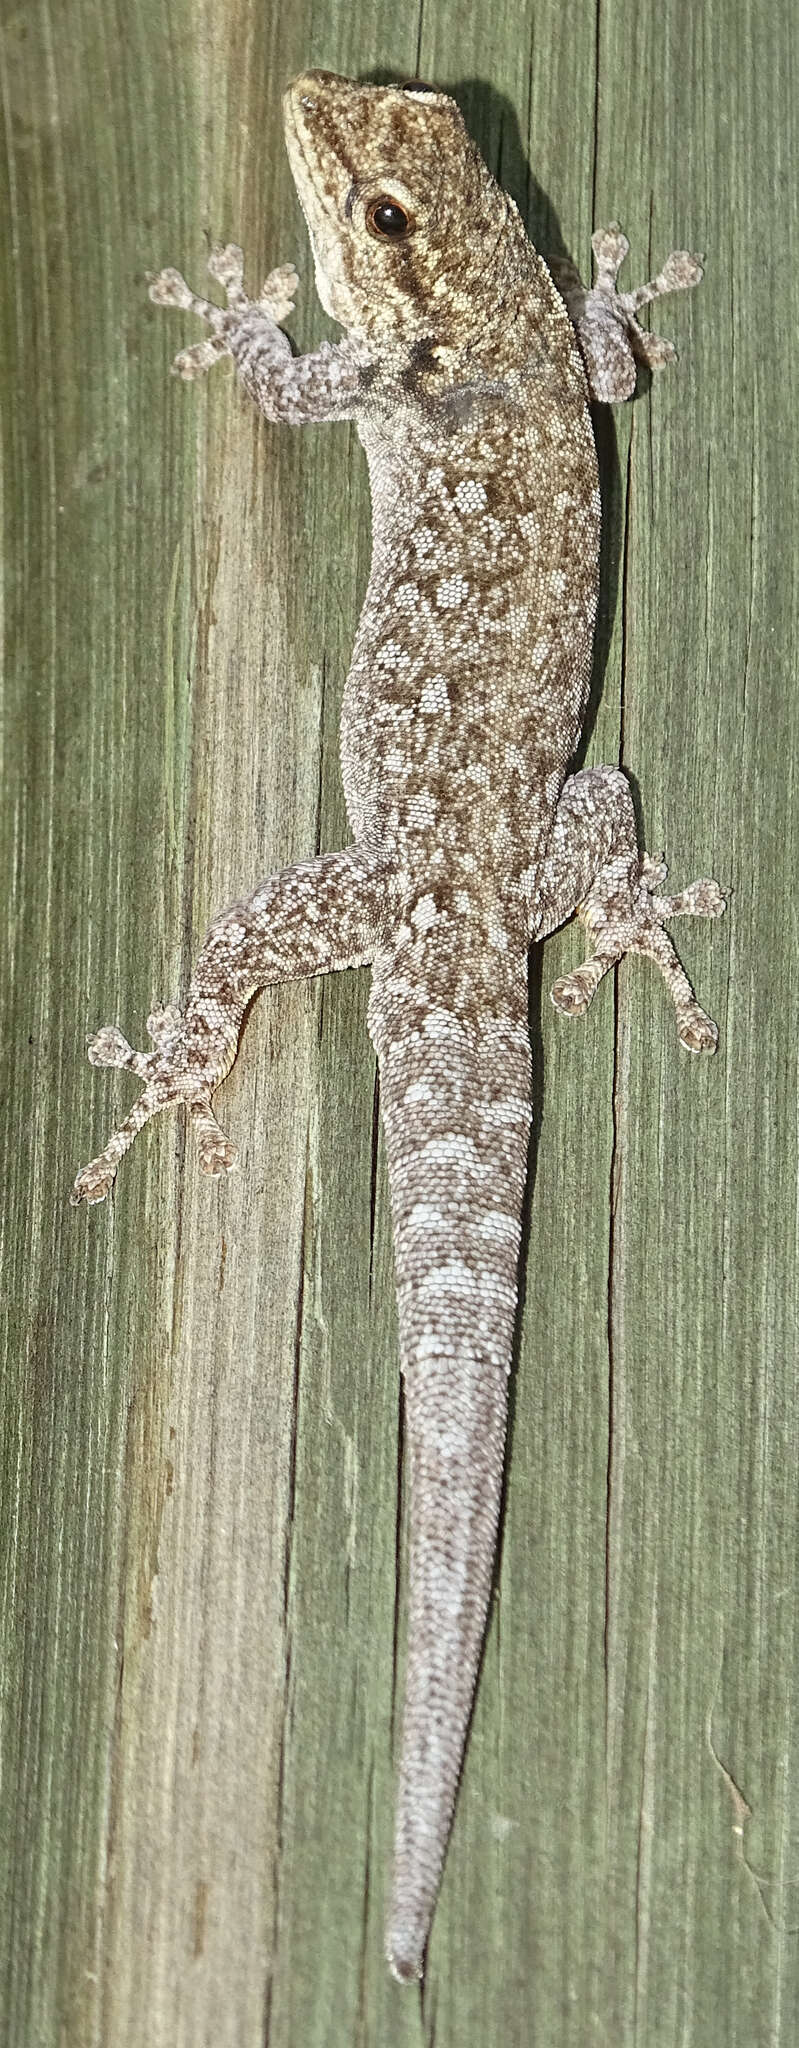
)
(386, 218)
(420, 85)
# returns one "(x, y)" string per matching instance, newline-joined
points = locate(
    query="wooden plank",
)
(201, 1480)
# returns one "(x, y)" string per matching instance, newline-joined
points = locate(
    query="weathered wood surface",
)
(200, 1459)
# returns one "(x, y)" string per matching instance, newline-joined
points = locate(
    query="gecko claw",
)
(278, 292)
(570, 994)
(217, 1154)
(194, 361)
(108, 1048)
(226, 265)
(700, 899)
(697, 1031)
(93, 1183)
(169, 288)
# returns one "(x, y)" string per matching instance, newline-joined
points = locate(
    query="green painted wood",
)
(201, 1480)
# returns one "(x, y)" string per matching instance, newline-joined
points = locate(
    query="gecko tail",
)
(455, 1425)
(455, 1096)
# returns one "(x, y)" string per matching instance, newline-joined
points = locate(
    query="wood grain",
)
(202, 1487)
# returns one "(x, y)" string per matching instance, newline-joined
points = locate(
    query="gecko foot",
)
(226, 266)
(620, 920)
(170, 1076)
(611, 337)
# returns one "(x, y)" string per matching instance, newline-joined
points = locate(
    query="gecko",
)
(468, 368)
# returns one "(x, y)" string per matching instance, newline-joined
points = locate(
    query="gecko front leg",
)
(611, 338)
(594, 868)
(311, 918)
(293, 389)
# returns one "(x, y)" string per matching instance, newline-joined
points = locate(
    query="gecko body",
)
(468, 375)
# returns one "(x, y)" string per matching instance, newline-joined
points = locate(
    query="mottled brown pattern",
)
(461, 368)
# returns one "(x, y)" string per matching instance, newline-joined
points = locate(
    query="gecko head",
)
(408, 227)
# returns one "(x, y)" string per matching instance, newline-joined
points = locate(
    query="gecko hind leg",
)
(310, 918)
(594, 869)
(637, 926)
(168, 1077)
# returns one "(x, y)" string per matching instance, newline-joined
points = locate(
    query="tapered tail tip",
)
(405, 1958)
